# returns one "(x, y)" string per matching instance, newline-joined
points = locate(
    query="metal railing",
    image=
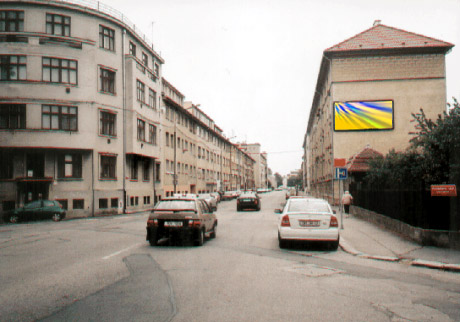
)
(105, 9)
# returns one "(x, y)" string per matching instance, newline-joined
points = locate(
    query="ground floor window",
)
(103, 203)
(114, 203)
(78, 204)
(63, 203)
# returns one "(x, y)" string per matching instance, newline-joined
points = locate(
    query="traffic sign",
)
(341, 173)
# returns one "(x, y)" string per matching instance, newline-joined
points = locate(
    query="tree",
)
(279, 179)
(430, 159)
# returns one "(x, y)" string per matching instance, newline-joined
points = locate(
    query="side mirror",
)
(278, 211)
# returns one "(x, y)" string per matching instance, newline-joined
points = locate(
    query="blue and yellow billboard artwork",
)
(363, 116)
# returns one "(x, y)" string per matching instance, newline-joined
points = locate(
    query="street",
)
(101, 269)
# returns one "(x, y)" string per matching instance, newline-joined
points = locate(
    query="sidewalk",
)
(364, 239)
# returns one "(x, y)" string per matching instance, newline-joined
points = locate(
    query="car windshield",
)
(176, 205)
(247, 195)
(205, 196)
(308, 205)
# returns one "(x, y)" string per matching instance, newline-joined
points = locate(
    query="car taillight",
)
(237, 200)
(194, 223)
(285, 221)
(152, 222)
(334, 222)
(255, 200)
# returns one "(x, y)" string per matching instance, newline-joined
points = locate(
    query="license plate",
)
(247, 200)
(173, 223)
(309, 223)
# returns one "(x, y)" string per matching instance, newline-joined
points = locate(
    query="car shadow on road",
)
(309, 246)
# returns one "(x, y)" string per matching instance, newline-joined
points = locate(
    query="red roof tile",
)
(384, 37)
(359, 162)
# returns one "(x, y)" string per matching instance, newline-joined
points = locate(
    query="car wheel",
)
(13, 219)
(200, 240)
(334, 245)
(238, 209)
(56, 217)
(213, 233)
(282, 242)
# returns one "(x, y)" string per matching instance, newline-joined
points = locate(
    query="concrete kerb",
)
(348, 248)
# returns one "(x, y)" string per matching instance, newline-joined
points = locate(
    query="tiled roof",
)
(384, 37)
(359, 162)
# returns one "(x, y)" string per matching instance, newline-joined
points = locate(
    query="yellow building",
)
(367, 88)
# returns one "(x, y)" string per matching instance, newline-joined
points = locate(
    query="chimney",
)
(377, 22)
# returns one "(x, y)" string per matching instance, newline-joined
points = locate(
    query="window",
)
(56, 117)
(167, 139)
(12, 116)
(152, 99)
(11, 20)
(13, 67)
(146, 170)
(6, 165)
(153, 134)
(107, 84)
(132, 49)
(108, 123)
(78, 204)
(145, 59)
(57, 25)
(70, 165)
(103, 203)
(140, 130)
(114, 203)
(106, 38)
(63, 203)
(156, 70)
(56, 70)
(140, 91)
(108, 166)
(134, 169)
(157, 172)
(146, 200)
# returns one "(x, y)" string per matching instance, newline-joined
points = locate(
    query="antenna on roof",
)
(377, 22)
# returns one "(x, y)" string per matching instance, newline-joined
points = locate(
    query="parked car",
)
(290, 192)
(40, 209)
(216, 195)
(212, 201)
(180, 218)
(229, 195)
(249, 200)
(308, 219)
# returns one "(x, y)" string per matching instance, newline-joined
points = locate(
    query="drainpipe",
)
(123, 77)
(92, 182)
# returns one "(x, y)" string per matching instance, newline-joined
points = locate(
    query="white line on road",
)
(121, 251)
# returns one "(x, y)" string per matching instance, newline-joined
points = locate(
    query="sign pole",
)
(341, 206)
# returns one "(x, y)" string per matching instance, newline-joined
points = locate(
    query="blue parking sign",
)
(341, 173)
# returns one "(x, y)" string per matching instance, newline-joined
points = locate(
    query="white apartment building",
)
(79, 112)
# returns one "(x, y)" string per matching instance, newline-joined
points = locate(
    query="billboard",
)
(363, 115)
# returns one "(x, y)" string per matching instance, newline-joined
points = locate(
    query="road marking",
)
(121, 251)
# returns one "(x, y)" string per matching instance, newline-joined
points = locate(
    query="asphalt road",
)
(102, 269)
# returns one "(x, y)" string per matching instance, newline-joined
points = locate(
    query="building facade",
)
(84, 114)
(261, 165)
(386, 71)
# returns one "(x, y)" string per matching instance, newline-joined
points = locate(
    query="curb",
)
(346, 247)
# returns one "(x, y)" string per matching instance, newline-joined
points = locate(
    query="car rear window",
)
(308, 205)
(176, 205)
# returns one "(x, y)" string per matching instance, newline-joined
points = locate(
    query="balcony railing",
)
(105, 9)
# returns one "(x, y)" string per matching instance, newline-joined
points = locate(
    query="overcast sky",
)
(253, 65)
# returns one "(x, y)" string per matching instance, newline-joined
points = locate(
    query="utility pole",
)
(175, 156)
